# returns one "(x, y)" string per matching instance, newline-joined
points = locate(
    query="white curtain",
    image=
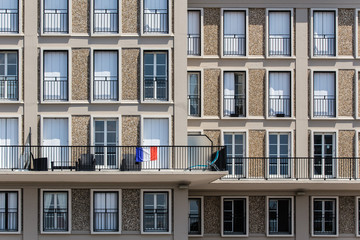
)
(106, 208)
(324, 92)
(229, 93)
(105, 17)
(111, 206)
(100, 201)
(105, 75)
(324, 28)
(8, 15)
(279, 92)
(49, 221)
(155, 15)
(234, 32)
(55, 75)
(55, 18)
(194, 32)
(279, 33)
(12, 210)
(8, 140)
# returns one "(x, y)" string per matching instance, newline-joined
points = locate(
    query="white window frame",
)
(201, 216)
(18, 52)
(169, 210)
(357, 215)
(200, 86)
(18, 191)
(20, 23)
(246, 217)
(201, 90)
(201, 32)
(311, 35)
(356, 41)
(55, 33)
(170, 17)
(246, 10)
(291, 10)
(42, 210)
(336, 198)
(105, 34)
(291, 198)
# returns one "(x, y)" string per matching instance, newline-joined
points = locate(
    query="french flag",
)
(146, 154)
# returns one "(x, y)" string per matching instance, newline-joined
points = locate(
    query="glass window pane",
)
(149, 58)
(99, 125)
(12, 58)
(111, 125)
(161, 58)
(12, 70)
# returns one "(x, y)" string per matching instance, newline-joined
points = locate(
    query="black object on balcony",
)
(86, 162)
(40, 164)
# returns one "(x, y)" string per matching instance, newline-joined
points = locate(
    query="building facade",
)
(172, 119)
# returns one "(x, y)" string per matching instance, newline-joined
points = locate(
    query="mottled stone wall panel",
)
(130, 130)
(80, 214)
(257, 150)
(346, 215)
(256, 92)
(257, 31)
(346, 93)
(257, 214)
(80, 126)
(346, 31)
(131, 16)
(130, 74)
(80, 16)
(346, 150)
(211, 31)
(81, 74)
(358, 34)
(212, 215)
(131, 210)
(211, 92)
(214, 136)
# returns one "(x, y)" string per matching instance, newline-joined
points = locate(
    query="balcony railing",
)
(55, 88)
(324, 106)
(156, 21)
(9, 219)
(279, 106)
(106, 88)
(156, 88)
(106, 21)
(55, 219)
(324, 45)
(234, 45)
(194, 46)
(9, 20)
(55, 21)
(194, 105)
(279, 45)
(9, 88)
(194, 224)
(106, 220)
(234, 106)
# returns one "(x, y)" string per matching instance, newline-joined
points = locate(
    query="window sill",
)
(280, 235)
(105, 102)
(11, 102)
(12, 34)
(55, 233)
(281, 118)
(281, 57)
(105, 35)
(195, 56)
(55, 35)
(106, 233)
(321, 236)
(233, 236)
(53, 102)
(155, 233)
(149, 102)
(157, 35)
(10, 233)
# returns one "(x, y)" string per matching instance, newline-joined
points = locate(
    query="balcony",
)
(324, 106)
(156, 88)
(55, 88)
(324, 45)
(279, 106)
(9, 21)
(9, 89)
(106, 21)
(234, 106)
(234, 45)
(279, 45)
(106, 88)
(156, 21)
(194, 45)
(55, 21)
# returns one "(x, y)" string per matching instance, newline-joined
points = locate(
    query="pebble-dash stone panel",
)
(211, 92)
(256, 92)
(131, 210)
(257, 214)
(212, 215)
(80, 16)
(346, 31)
(257, 150)
(130, 74)
(131, 16)
(346, 93)
(256, 31)
(80, 209)
(80, 74)
(346, 215)
(80, 130)
(214, 136)
(130, 130)
(211, 31)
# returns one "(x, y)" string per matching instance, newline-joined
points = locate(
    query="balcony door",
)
(106, 16)
(279, 33)
(234, 39)
(279, 153)
(9, 16)
(324, 94)
(279, 94)
(9, 76)
(234, 94)
(55, 18)
(156, 16)
(324, 153)
(324, 33)
(8, 139)
(235, 148)
(194, 33)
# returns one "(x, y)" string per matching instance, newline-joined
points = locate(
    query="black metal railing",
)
(158, 216)
(106, 88)
(194, 224)
(234, 106)
(9, 20)
(156, 88)
(324, 45)
(55, 88)
(9, 219)
(106, 21)
(279, 106)
(55, 21)
(9, 88)
(279, 45)
(234, 45)
(156, 21)
(279, 228)
(324, 106)
(194, 105)
(106, 220)
(324, 224)
(55, 219)
(194, 45)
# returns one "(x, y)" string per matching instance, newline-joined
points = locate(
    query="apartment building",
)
(167, 119)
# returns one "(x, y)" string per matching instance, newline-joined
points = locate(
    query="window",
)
(156, 16)
(106, 211)
(279, 94)
(324, 154)
(156, 76)
(194, 33)
(280, 216)
(55, 18)
(279, 155)
(324, 33)
(9, 82)
(324, 216)
(234, 94)
(235, 147)
(9, 137)
(9, 211)
(279, 33)
(55, 211)
(9, 16)
(195, 221)
(194, 96)
(55, 82)
(234, 216)
(106, 16)
(234, 39)
(324, 94)
(156, 217)
(106, 75)
(106, 140)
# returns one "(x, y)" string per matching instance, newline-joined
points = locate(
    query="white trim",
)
(201, 32)
(92, 191)
(246, 212)
(105, 34)
(156, 34)
(201, 216)
(142, 191)
(356, 35)
(42, 210)
(57, 34)
(336, 198)
(18, 191)
(201, 90)
(268, 198)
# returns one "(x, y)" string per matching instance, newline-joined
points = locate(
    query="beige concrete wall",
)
(212, 215)
(346, 93)
(80, 16)
(80, 212)
(81, 74)
(257, 149)
(211, 31)
(257, 214)
(80, 127)
(357, 78)
(131, 210)
(256, 92)
(130, 16)
(346, 215)
(346, 31)
(346, 141)
(130, 74)
(358, 35)
(130, 130)
(257, 28)
(211, 92)
(214, 135)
